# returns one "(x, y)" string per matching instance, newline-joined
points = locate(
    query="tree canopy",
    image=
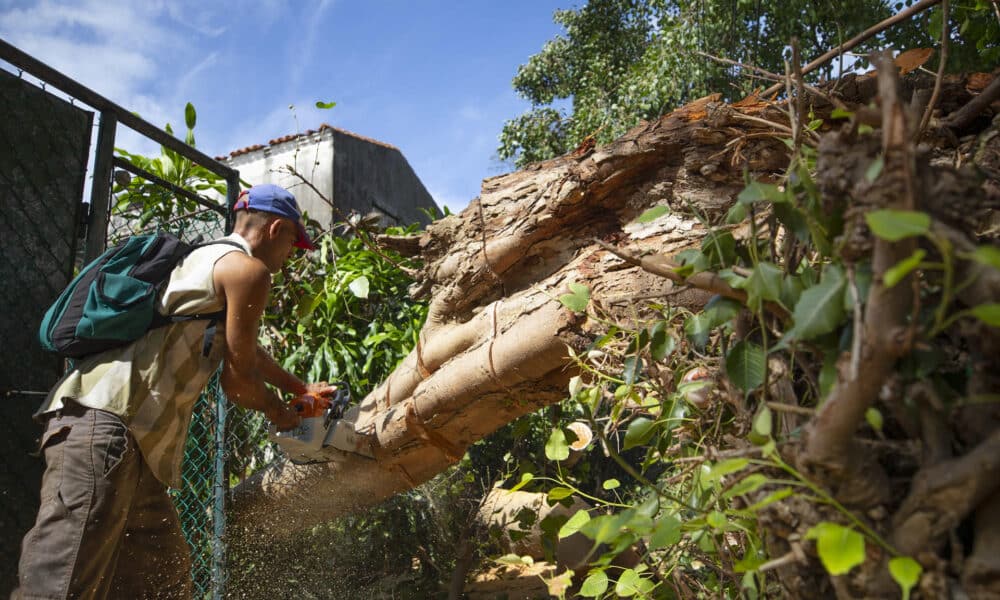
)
(623, 61)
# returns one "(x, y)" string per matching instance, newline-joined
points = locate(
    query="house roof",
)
(308, 132)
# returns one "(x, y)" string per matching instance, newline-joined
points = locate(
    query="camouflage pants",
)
(106, 527)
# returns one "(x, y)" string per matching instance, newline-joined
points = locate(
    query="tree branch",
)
(858, 39)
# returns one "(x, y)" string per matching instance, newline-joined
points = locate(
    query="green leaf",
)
(765, 283)
(557, 448)
(717, 520)
(763, 423)
(840, 548)
(906, 572)
(514, 559)
(605, 528)
(748, 484)
(559, 493)
(719, 310)
(666, 532)
(578, 520)
(757, 191)
(719, 470)
(633, 369)
(594, 585)
(719, 248)
(661, 343)
(820, 309)
(631, 583)
(359, 286)
(987, 255)
(874, 418)
(190, 116)
(895, 225)
(577, 299)
(325, 105)
(746, 364)
(874, 169)
(841, 113)
(775, 496)
(611, 484)
(898, 271)
(988, 313)
(737, 214)
(652, 214)
(639, 431)
(525, 478)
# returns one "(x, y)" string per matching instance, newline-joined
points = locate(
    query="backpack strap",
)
(213, 318)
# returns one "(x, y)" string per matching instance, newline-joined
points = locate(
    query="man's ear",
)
(274, 228)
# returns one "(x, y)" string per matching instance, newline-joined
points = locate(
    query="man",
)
(117, 423)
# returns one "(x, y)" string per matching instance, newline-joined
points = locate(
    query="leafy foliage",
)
(145, 202)
(343, 313)
(622, 61)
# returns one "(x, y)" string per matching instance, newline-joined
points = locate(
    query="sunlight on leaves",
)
(359, 287)
(906, 572)
(557, 448)
(652, 214)
(525, 478)
(840, 548)
(594, 585)
(574, 524)
(898, 271)
(631, 583)
(874, 418)
(577, 299)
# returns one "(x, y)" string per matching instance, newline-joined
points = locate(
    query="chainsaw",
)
(318, 428)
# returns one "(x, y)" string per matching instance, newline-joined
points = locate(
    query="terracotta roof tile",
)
(290, 137)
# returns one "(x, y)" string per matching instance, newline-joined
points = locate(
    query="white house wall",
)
(310, 155)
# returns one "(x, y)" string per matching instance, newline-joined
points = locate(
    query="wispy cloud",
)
(313, 25)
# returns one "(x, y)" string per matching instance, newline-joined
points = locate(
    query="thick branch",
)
(944, 494)
(886, 335)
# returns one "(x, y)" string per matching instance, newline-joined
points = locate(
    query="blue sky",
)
(430, 77)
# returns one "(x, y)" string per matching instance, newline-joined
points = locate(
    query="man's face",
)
(282, 233)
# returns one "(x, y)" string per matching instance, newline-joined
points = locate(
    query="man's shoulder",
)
(239, 268)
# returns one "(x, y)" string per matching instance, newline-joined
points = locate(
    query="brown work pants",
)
(106, 527)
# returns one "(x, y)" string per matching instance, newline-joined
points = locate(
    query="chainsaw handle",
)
(310, 405)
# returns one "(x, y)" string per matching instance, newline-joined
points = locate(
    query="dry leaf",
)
(977, 82)
(912, 59)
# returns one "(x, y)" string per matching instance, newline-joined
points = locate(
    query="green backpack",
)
(112, 302)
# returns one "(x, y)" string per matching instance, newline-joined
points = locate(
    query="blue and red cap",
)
(276, 200)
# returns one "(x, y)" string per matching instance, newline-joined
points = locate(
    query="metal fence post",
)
(100, 190)
(221, 487)
(219, 507)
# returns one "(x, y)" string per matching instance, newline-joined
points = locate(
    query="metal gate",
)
(44, 143)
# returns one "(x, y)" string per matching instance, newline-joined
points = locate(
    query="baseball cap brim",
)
(304, 241)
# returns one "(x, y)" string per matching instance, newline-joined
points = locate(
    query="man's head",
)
(270, 220)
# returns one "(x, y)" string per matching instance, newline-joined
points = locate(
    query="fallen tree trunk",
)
(495, 343)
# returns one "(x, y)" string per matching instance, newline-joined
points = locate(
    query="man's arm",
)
(244, 283)
(274, 374)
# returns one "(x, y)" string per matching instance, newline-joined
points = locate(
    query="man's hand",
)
(321, 388)
(283, 415)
